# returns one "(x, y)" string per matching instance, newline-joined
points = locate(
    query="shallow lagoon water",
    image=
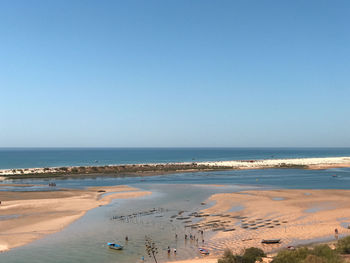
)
(269, 178)
(85, 239)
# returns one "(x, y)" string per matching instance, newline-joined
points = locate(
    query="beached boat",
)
(271, 241)
(229, 229)
(115, 246)
(203, 251)
(183, 218)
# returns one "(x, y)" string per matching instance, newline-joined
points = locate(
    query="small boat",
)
(203, 251)
(219, 229)
(334, 175)
(115, 246)
(271, 241)
(183, 218)
(228, 229)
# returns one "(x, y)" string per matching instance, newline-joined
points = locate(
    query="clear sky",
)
(174, 73)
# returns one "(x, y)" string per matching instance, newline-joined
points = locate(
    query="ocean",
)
(58, 157)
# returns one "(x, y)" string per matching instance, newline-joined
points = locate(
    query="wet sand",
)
(290, 215)
(297, 217)
(27, 216)
(236, 220)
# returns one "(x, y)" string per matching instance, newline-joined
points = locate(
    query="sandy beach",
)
(166, 168)
(308, 163)
(296, 217)
(290, 215)
(27, 216)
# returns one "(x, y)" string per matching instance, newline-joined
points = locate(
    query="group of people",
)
(190, 236)
(169, 250)
(193, 237)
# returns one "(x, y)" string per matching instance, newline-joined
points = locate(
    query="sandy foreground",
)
(27, 216)
(294, 216)
(289, 215)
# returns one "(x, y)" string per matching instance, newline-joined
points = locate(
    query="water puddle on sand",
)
(7, 217)
(319, 207)
(236, 208)
(345, 225)
(278, 198)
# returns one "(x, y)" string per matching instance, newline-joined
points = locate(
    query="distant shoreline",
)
(166, 168)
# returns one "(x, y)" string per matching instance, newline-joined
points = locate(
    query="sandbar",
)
(294, 216)
(306, 163)
(27, 216)
(168, 168)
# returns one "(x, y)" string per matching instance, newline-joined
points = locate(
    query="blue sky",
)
(174, 73)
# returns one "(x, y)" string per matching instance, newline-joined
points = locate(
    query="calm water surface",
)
(85, 239)
(57, 157)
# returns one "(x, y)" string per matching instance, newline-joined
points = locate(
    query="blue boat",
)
(203, 251)
(115, 246)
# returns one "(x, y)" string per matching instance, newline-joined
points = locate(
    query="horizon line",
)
(162, 147)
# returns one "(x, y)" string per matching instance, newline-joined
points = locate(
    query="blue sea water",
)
(57, 157)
